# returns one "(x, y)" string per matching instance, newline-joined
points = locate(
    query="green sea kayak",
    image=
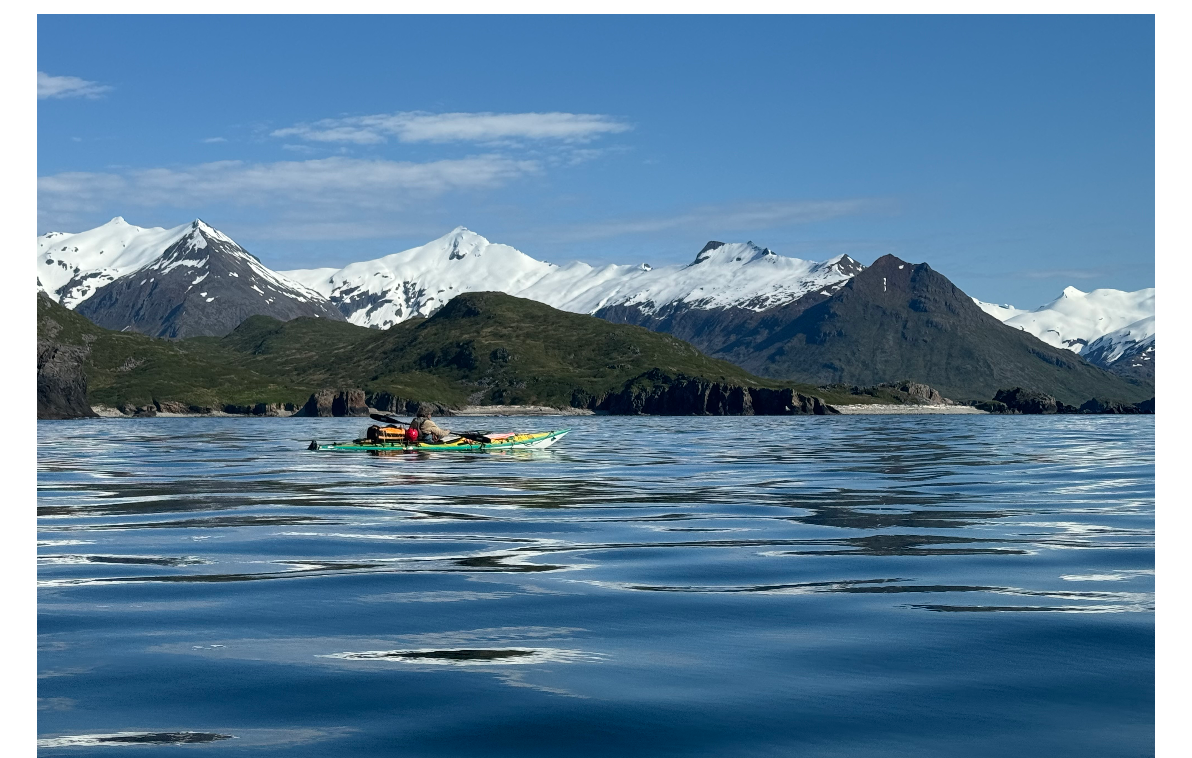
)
(504, 441)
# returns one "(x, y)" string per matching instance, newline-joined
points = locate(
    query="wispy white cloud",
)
(1063, 273)
(419, 126)
(295, 226)
(335, 182)
(67, 86)
(719, 219)
(213, 140)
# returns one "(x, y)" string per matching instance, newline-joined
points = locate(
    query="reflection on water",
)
(723, 587)
(133, 738)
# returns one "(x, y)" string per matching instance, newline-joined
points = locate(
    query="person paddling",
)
(428, 430)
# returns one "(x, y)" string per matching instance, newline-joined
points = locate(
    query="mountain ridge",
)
(414, 282)
(901, 319)
(736, 301)
(170, 295)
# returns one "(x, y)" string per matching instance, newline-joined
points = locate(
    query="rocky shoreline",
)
(105, 411)
(860, 409)
(662, 396)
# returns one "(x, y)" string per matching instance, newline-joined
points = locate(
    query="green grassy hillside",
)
(481, 348)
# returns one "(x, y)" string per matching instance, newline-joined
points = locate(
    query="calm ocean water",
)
(803, 586)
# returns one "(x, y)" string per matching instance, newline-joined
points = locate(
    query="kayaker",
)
(427, 429)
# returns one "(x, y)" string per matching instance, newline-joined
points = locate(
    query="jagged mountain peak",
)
(202, 283)
(843, 264)
(200, 225)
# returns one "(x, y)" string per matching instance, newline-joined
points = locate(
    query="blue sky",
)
(1014, 154)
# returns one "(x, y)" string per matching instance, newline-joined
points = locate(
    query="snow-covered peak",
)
(418, 281)
(200, 228)
(721, 254)
(72, 266)
(1076, 318)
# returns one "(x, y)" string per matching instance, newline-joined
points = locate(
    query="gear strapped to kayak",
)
(398, 439)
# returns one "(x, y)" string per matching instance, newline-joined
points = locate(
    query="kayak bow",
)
(506, 441)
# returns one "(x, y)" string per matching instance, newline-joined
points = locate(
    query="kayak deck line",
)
(528, 440)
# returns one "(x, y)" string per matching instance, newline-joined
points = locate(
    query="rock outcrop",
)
(1019, 400)
(918, 392)
(787, 402)
(387, 402)
(656, 393)
(1029, 402)
(1095, 405)
(61, 381)
(330, 402)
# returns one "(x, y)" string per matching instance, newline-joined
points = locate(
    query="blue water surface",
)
(803, 586)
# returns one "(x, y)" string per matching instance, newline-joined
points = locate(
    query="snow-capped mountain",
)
(1075, 319)
(203, 283)
(419, 281)
(1109, 328)
(194, 280)
(1129, 351)
(71, 267)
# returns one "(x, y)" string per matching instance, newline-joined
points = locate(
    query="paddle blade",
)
(386, 419)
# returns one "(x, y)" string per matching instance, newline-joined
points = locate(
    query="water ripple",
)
(851, 575)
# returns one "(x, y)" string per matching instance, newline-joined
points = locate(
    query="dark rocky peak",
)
(894, 283)
(712, 245)
(198, 245)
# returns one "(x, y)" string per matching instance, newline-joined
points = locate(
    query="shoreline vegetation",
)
(483, 353)
(104, 411)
